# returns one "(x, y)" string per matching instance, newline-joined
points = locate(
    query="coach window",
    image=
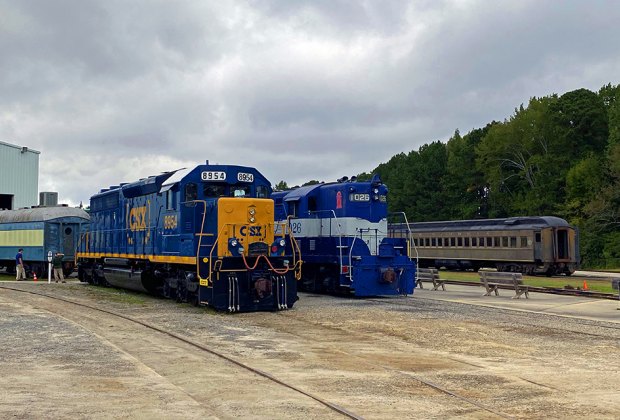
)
(489, 241)
(459, 242)
(505, 241)
(537, 236)
(496, 241)
(433, 241)
(466, 241)
(513, 241)
(452, 242)
(523, 241)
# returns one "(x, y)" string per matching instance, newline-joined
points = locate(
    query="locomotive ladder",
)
(233, 293)
(281, 292)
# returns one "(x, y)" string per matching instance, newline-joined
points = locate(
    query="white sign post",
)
(49, 268)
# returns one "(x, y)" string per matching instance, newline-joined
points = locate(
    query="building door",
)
(6, 202)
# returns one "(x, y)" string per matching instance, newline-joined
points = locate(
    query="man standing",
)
(19, 265)
(57, 263)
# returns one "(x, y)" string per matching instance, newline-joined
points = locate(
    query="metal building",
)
(19, 176)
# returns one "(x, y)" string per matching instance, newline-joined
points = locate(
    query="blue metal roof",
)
(41, 214)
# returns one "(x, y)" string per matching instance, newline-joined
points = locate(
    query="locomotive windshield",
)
(222, 190)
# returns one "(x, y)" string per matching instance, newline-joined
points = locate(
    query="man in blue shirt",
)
(19, 265)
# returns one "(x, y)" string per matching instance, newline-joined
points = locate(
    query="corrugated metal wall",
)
(19, 174)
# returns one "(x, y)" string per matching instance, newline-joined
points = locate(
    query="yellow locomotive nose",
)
(247, 220)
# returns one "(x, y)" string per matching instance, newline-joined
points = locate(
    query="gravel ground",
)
(374, 358)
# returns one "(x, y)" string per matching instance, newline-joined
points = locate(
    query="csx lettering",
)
(137, 218)
(253, 231)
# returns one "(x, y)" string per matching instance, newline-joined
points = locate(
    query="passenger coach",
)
(530, 245)
(40, 230)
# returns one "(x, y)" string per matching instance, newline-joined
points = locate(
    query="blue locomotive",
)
(204, 235)
(342, 231)
(39, 230)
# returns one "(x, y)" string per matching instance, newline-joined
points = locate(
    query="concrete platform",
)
(571, 306)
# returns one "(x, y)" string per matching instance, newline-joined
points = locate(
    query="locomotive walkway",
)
(571, 306)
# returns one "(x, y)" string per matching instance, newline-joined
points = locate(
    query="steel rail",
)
(334, 407)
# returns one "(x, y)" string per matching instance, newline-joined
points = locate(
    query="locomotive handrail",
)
(294, 246)
(202, 225)
(339, 232)
(410, 240)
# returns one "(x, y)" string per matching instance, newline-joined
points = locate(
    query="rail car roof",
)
(41, 214)
(530, 222)
(297, 193)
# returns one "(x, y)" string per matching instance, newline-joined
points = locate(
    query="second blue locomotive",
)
(342, 230)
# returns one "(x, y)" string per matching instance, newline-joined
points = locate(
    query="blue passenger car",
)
(342, 231)
(39, 230)
(205, 235)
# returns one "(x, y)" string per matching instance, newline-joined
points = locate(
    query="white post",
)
(49, 268)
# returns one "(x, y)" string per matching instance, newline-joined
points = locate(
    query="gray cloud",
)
(113, 91)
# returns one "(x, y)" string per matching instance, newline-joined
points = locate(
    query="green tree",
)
(281, 186)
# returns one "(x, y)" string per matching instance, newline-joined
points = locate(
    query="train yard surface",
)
(434, 355)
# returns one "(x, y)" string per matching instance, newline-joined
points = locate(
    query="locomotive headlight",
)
(252, 219)
(376, 190)
(282, 242)
(252, 212)
(233, 242)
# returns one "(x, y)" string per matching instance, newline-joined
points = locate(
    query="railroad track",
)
(411, 304)
(206, 349)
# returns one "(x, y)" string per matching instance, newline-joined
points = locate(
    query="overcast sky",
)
(115, 90)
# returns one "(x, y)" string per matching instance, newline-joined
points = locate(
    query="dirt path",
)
(432, 360)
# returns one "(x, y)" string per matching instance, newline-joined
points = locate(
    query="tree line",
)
(557, 156)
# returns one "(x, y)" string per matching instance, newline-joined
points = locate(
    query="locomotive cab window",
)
(170, 200)
(191, 193)
(312, 206)
(211, 191)
(262, 191)
(240, 190)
